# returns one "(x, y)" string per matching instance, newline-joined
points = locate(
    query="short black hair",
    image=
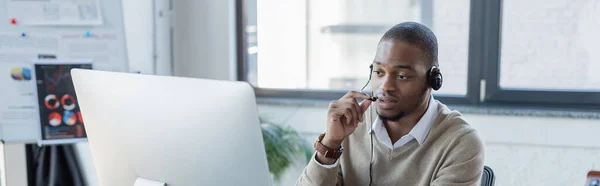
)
(415, 34)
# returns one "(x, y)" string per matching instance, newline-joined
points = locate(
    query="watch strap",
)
(326, 151)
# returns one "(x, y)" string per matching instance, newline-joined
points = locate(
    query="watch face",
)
(593, 178)
(595, 183)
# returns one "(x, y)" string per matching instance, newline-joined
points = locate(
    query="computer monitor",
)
(173, 130)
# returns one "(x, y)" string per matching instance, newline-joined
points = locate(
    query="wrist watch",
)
(326, 151)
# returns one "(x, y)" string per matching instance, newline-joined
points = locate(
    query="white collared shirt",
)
(418, 132)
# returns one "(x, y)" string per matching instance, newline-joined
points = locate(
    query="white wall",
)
(138, 24)
(520, 150)
(14, 161)
(204, 38)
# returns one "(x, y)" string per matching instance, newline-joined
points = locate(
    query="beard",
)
(401, 115)
(394, 118)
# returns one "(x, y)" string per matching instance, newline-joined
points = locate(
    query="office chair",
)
(488, 176)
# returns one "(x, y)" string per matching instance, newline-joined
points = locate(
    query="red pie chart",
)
(54, 119)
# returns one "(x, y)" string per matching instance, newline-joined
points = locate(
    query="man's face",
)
(399, 79)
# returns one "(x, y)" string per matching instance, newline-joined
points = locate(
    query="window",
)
(546, 53)
(556, 39)
(329, 45)
(523, 53)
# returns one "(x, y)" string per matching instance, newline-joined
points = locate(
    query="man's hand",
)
(342, 119)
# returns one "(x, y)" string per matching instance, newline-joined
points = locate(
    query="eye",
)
(402, 77)
(377, 72)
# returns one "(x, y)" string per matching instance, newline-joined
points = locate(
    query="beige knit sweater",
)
(452, 154)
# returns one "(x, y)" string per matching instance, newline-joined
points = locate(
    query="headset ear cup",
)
(438, 80)
(435, 79)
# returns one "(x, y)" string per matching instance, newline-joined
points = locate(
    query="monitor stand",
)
(147, 182)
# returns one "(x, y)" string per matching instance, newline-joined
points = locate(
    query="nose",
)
(388, 84)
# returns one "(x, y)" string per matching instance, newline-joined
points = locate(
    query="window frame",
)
(495, 95)
(475, 62)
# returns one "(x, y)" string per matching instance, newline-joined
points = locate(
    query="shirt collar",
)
(420, 130)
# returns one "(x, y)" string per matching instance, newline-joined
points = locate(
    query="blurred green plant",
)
(283, 146)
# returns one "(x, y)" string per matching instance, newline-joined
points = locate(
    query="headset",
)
(434, 80)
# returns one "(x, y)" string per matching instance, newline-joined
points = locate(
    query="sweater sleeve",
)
(463, 165)
(315, 174)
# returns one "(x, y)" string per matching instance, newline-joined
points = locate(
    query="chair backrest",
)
(488, 176)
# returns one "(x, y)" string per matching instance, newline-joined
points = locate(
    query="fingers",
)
(355, 94)
(364, 105)
(358, 110)
(356, 118)
(348, 111)
(349, 116)
(352, 108)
